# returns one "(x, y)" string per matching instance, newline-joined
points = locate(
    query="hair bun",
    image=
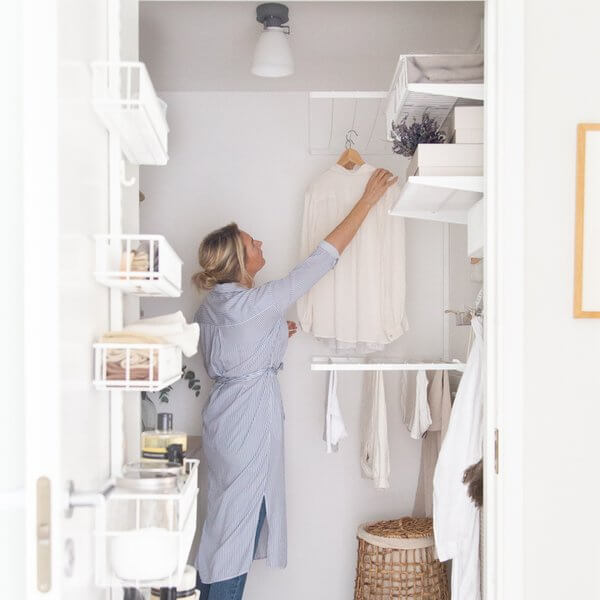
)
(204, 280)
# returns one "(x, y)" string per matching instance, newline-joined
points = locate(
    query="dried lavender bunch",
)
(406, 138)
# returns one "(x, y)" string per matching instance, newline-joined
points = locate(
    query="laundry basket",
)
(397, 561)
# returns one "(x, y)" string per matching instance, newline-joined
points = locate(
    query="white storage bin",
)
(143, 265)
(468, 136)
(433, 83)
(125, 100)
(136, 367)
(447, 159)
(468, 117)
(143, 539)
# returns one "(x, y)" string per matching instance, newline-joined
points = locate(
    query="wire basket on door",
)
(397, 561)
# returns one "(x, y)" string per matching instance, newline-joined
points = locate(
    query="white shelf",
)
(117, 366)
(125, 100)
(434, 83)
(439, 198)
(124, 521)
(158, 275)
(332, 114)
(323, 363)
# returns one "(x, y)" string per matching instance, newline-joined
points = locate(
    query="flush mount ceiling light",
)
(272, 55)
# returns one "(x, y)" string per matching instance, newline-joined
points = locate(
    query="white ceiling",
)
(208, 46)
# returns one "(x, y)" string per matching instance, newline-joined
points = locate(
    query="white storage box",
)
(447, 159)
(434, 83)
(136, 367)
(143, 265)
(468, 117)
(125, 100)
(144, 539)
(468, 136)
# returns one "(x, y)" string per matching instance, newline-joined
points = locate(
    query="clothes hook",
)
(124, 181)
(349, 140)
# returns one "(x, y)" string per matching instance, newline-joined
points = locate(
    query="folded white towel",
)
(172, 328)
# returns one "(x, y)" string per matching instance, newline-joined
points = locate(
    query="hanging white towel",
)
(375, 457)
(455, 516)
(440, 406)
(173, 328)
(335, 429)
(416, 415)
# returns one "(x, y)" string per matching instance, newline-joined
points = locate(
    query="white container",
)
(468, 117)
(144, 539)
(468, 136)
(449, 171)
(125, 100)
(136, 367)
(142, 265)
(455, 156)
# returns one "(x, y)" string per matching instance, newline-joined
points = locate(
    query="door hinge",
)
(496, 452)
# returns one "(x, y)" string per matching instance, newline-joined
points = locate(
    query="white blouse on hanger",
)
(360, 305)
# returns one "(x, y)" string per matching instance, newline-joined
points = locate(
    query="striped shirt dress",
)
(243, 337)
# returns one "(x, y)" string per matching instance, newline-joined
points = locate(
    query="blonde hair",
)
(221, 256)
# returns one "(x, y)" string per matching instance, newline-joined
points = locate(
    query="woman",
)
(243, 337)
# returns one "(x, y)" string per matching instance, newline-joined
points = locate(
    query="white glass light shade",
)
(272, 55)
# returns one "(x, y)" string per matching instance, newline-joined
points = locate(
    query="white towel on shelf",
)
(335, 429)
(173, 328)
(375, 455)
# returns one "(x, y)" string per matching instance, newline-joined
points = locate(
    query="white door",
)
(69, 195)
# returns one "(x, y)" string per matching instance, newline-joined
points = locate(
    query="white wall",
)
(562, 394)
(243, 157)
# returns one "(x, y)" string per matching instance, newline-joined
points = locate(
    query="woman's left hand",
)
(292, 328)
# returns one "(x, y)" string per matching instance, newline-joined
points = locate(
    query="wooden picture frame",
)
(587, 223)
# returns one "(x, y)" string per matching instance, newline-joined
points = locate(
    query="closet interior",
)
(398, 85)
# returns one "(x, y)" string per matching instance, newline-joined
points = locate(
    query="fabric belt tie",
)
(249, 376)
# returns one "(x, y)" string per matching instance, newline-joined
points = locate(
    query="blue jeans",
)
(230, 589)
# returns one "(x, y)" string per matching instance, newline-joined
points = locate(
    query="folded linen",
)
(172, 328)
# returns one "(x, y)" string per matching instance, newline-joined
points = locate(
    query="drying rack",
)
(325, 363)
(332, 114)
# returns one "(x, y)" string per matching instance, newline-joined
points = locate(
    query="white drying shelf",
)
(414, 88)
(162, 369)
(439, 198)
(323, 363)
(125, 100)
(115, 259)
(124, 518)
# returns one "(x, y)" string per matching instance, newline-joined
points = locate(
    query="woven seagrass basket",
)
(397, 561)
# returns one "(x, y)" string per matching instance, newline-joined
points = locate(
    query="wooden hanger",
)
(350, 158)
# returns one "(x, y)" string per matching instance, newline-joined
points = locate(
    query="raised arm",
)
(378, 184)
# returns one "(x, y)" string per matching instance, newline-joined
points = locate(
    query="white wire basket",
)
(143, 265)
(125, 100)
(143, 539)
(136, 367)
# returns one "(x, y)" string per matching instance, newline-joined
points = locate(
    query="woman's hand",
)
(377, 186)
(292, 328)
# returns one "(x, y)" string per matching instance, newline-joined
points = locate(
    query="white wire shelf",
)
(333, 114)
(143, 539)
(439, 198)
(136, 367)
(125, 100)
(324, 363)
(434, 83)
(142, 265)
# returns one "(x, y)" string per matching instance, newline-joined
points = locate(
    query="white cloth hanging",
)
(335, 429)
(455, 517)
(440, 406)
(359, 306)
(375, 456)
(172, 328)
(415, 411)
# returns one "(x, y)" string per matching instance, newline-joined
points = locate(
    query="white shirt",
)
(361, 304)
